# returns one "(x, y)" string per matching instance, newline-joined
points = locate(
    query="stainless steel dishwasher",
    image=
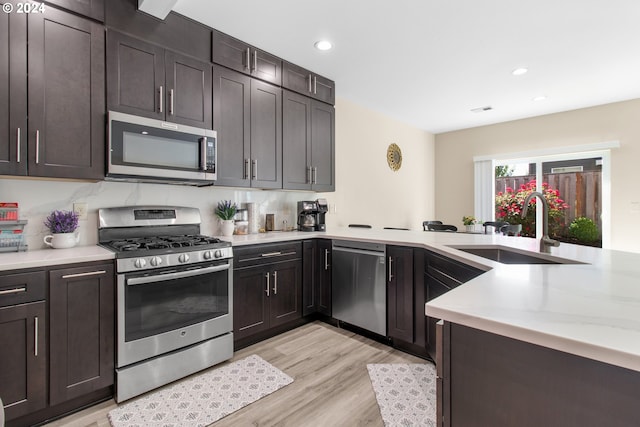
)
(358, 289)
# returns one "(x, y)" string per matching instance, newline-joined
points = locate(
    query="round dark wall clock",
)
(394, 157)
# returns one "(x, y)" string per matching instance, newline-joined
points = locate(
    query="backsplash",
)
(37, 198)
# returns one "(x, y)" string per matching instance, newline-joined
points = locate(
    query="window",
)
(575, 182)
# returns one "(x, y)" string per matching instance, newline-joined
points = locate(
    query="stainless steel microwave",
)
(143, 149)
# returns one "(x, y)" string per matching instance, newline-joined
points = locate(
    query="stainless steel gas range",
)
(174, 295)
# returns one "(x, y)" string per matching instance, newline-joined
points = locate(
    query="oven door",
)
(168, 309)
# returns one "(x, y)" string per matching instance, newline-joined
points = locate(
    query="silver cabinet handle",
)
(18, 138)
(268, 254)
(254, 169)
(248, 65)
(91, 273)
(390, 268)
(246, 168)
(160, 99)
(35, 336)
(37, 146)
(171, 102)
(310, 83)
(13, 291)
(267, 289)
(314, 175)
(315, 85)
(275, 283)
(255, 60)
(326, 259)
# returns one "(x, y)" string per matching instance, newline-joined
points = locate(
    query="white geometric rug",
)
(205, 398)
(406, 393)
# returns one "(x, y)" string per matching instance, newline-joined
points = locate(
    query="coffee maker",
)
(311, 215)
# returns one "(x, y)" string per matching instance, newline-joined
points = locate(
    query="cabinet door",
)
(309, 277)
(23, 363)
(285, 301)
(266, 135)
(242, 57)
(135, 76)
(323, 146)
(232, 122)
(90, 8)
(323, 89)
(81, 316)
(66, 96)
(307, 83)
(323, 280)
(296, 141)
(13, 93)
(400, 293)
(188, 97)
(250, 301)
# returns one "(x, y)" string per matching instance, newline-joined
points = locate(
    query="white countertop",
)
(591, 310)
(49, 257)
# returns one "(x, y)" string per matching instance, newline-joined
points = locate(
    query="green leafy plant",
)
(584, 229)
(226, 210)
(469, 220)
(510, 203)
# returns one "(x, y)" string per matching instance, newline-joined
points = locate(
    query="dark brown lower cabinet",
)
(492, 380)
(81, 316)
(316, 282)
(400, 315)
(23, 358)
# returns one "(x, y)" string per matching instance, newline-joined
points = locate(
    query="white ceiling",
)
(429, 62)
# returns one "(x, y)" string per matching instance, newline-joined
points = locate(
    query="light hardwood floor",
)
(331, 385)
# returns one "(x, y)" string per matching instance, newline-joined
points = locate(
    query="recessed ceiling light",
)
(323, 45)
(539, 98)
(519, 71)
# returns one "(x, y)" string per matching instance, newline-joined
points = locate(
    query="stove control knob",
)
(218, 253)
(183, 258)
(207, 255)
(140, 263)
(156, 261)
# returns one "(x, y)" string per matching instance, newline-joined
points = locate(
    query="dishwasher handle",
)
(358, 251)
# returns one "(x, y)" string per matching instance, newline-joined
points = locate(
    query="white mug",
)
(62, 240)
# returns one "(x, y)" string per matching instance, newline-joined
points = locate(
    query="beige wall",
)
(620, 121)
(367, 190)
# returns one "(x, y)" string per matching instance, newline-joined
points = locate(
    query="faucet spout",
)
(545, 242)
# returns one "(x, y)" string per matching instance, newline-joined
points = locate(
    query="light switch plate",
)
(81, 210)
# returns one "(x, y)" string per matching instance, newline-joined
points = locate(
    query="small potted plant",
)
(226, 211)
(62, 225)
(471, 223)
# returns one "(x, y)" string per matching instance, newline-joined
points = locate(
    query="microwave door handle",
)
(203, 153)
(178, 275)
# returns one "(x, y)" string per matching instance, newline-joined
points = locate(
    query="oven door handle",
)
(177, 275)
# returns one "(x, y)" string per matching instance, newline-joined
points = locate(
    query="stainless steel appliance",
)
(359, 294)
(311, 215)
(143, 149)
(174, 295)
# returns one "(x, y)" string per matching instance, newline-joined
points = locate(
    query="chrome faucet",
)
(546, 242)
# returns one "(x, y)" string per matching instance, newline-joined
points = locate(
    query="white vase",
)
(62, 240)
(227, 227)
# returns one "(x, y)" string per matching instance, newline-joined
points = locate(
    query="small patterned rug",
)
(203, 399)
(406, 393)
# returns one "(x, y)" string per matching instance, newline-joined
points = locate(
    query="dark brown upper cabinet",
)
(89, 8)
(65, 103)
(308, 140)
(247, 115)
(13, 93)
(240, 56)
(308, 83)
(149, 81)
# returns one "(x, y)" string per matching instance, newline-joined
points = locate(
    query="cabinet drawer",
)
(18, 288)
(266, 254)
(449, 272)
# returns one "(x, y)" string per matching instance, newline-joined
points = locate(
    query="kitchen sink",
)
(506, 255)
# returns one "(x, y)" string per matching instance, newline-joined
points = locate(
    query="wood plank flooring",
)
(331, 385)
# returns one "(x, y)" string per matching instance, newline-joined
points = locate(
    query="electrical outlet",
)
(81, 210)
